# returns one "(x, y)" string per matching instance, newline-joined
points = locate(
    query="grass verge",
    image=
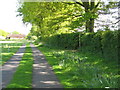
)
(23, 76)
(8, 50)
(78, 70)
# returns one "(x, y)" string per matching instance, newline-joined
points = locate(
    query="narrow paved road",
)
(10, 66)
(43, 75)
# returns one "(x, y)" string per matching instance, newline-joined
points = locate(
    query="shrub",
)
(104, 43)
(66, 41)
(87, 42)
(97, 43)
(110, 45)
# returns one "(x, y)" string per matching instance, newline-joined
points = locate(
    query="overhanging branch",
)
(78, 3)
(97, 4)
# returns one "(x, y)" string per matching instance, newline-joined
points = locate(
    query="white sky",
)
(8, 20)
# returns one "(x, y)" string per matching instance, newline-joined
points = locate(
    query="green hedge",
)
(110, 45)
(91, 42)
(87, 42)
(66, 41)
(104, 43)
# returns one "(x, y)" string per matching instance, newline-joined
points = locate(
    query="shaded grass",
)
(8, 50)
(80, 70)
(23, 76)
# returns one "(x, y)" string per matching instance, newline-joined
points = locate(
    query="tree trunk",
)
(90, 25)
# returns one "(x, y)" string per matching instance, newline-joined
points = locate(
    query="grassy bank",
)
(23, 76)
(78, 70)
(8, 50)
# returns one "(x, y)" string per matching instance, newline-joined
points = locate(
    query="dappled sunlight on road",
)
(43, 75)
(10, 66)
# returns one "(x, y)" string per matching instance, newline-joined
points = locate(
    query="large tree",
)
(90, 12)
(54, 17)
(50, 17)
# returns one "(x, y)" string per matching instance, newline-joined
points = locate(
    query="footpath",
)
(43, 75)
(9, 68)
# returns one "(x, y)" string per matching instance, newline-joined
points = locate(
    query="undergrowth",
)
(79, 70)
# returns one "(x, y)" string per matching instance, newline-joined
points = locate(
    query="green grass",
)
(23, 76)
(8, 50)
(80, 70)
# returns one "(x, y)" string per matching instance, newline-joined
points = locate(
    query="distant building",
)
(15, 36)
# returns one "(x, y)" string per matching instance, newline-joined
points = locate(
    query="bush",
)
(110, 45)
(103, 43)
(87, 42)
(66, 41)
(97, 43)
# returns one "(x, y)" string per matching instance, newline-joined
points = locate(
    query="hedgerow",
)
(66, 41)
(104, 43)
(110, 45)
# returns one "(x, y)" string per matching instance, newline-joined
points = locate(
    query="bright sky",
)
(8, 20)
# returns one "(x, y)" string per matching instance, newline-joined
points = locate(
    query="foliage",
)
(15, 32)
(97, 43)
(42, 16)
(110, 45)
(49, 18)
(91, 42)
(103, 43)
(66, 41)
(87, 42)
(3, 33)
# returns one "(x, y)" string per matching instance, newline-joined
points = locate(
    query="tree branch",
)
(77, 15)
(78, 3)
(117, 22)
(68, 3)
(97, 4)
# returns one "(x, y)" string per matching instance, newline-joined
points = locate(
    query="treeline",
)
(51, 18)
(4, 33)
(104, 43)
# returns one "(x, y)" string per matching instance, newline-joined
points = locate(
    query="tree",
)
(48, 17)
(15, 32)
(90, 9)
(52, 18)
(3, 33)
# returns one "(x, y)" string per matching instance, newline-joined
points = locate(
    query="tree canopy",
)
(50, 18)
(15, 32)
(3, 33)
